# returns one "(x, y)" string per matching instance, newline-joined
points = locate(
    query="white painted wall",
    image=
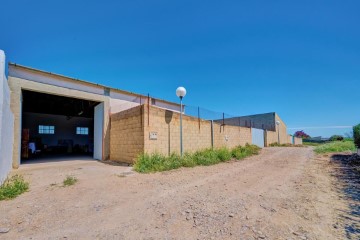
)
(118, 105)
(119, 101)
(169, 106)
(53, 80)
(6, 123)
(98, 131)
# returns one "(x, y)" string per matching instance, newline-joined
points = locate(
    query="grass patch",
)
(69, 181)
(337, 146)
(284, 145)
(314, 144)
(13, 187)
(156, 162)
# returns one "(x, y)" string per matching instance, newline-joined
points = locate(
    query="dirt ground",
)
(283, 193)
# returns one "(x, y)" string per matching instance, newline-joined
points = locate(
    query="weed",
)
(69, 181)
(13, 187)
(157, 162)
(285, 145)
(314, 144)
(338, 146)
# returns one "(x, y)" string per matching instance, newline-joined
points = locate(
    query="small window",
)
(43, 129)
(82, 130)
(153, 101)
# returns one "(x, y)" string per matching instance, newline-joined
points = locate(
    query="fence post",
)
(199, 117)
(141, 114)
(148, 109)
(212, 133)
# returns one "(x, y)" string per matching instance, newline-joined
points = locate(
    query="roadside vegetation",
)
(13, 187)
(335, 146)
(156, 162)
(314, 144)
(356, 131)
(69, 181)
(284, 145)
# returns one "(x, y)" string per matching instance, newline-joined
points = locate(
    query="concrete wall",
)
(290, 139)
(126, 135)
(298, 141)
(6, 123)
(131, 129)
(64, 128)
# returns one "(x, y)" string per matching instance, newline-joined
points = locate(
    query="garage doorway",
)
(56, 128)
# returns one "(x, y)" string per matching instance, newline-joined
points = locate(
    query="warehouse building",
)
(47, 116)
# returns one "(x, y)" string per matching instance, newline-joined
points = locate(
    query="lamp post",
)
(278, 128)
(181, 92)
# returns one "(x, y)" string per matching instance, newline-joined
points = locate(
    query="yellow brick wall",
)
(231, 136)
(196, 135)
(130, 133)
(166, 124)
(126, 135)
(272, 136)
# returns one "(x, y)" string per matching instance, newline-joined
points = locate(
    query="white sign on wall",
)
(153, 135)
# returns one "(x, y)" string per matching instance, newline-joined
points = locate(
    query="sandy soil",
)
(283, 193)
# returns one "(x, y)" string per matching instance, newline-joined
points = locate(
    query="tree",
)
(336, 138)
(301, 134)
(356, 131)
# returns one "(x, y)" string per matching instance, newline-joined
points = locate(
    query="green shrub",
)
(356, 132)
(286, 145)
(156, 162)
(13, 187)
(240, 152)
(223, 154)
(205, 157)
(252, 149)
(69, 181)
(336, 138)
(188, 160)
(337, 146)
(313, 143)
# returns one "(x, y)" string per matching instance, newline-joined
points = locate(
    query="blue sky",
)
(300, 59)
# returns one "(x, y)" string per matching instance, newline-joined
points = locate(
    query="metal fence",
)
(223, 118)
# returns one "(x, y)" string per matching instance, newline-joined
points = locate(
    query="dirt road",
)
(283, 193)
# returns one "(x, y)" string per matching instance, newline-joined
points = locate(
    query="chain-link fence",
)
(260, 121)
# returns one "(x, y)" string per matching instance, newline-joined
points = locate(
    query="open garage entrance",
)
(58, 128)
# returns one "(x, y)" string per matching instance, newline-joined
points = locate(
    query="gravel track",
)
(283, 193)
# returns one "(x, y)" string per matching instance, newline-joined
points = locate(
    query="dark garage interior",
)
(56, 126)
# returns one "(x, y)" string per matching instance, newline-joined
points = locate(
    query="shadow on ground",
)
(348, 172)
